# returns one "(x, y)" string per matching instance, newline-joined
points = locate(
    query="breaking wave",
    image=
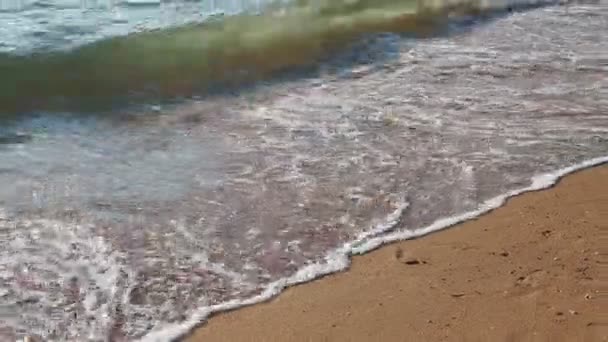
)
(223, 50)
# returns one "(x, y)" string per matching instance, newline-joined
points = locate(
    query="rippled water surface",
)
(110, 227)
(34, 25)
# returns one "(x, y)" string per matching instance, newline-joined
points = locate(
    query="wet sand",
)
(528, 271)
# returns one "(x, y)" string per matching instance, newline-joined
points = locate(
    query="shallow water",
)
(115, 226)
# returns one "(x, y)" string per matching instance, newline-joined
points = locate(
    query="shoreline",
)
(404, 289)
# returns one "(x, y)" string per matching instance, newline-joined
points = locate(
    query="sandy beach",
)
(528, 271)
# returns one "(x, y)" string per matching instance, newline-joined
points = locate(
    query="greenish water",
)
(175, 62)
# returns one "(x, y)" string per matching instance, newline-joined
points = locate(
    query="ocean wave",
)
(225, 50)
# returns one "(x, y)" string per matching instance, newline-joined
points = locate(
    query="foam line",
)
(339, 259)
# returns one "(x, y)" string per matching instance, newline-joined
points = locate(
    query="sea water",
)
(137, 222)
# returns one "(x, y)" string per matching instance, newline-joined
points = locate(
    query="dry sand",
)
(533, 270)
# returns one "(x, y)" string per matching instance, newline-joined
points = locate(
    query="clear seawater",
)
(131, 223)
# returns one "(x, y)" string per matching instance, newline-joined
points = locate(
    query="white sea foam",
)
(339, 259)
